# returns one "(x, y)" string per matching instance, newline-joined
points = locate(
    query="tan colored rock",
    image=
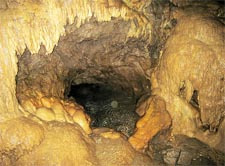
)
(17, 137)
(59, 111)
(45, 114)
(112, 149)
(83, 120)
(193, 59)
(53, 109)
(111, 135)
(64, 144)
(46, 102)
(142, 104)
(29, 106)
(154, 120)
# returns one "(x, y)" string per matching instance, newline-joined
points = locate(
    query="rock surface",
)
(45, 46)
(71, 147)
(193, 61)
(113, 149)
(155, 119)
(182, 150)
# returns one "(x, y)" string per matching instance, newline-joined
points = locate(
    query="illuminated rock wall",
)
(193, 59)
(28, 24)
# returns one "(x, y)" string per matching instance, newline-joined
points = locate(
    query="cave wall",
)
(29, 25)
(35, 27)
(191, 72)
(193, 60)
(105, 56)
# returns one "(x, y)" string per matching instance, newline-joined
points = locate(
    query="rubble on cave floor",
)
(107, 107)
(183, 150)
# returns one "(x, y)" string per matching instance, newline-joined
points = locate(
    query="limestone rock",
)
(155, 119)
(112, 149)
(64, 144)
(56, 43)
(53, 109)
(18, 136)
(193, 61)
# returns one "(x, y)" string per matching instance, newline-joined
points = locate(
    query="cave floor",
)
(107, 107)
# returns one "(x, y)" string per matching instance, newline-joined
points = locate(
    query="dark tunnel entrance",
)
(107, 106)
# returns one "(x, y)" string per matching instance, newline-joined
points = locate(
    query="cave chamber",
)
(112, 83)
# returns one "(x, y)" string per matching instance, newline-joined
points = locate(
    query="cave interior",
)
(96, 83)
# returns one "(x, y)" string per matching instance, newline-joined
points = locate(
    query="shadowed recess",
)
(107, 106)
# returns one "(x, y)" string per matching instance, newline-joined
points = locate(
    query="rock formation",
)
(168, 54)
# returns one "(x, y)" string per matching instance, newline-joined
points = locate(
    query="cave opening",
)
(107, 106)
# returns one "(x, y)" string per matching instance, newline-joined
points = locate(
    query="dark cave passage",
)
(107, 106)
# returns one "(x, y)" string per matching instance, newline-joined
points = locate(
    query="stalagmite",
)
(155, 119)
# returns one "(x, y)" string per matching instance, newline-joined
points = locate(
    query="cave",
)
(112, 83)
(107, 106)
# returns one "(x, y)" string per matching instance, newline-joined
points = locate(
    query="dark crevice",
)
(107, 106)
(194, 99)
